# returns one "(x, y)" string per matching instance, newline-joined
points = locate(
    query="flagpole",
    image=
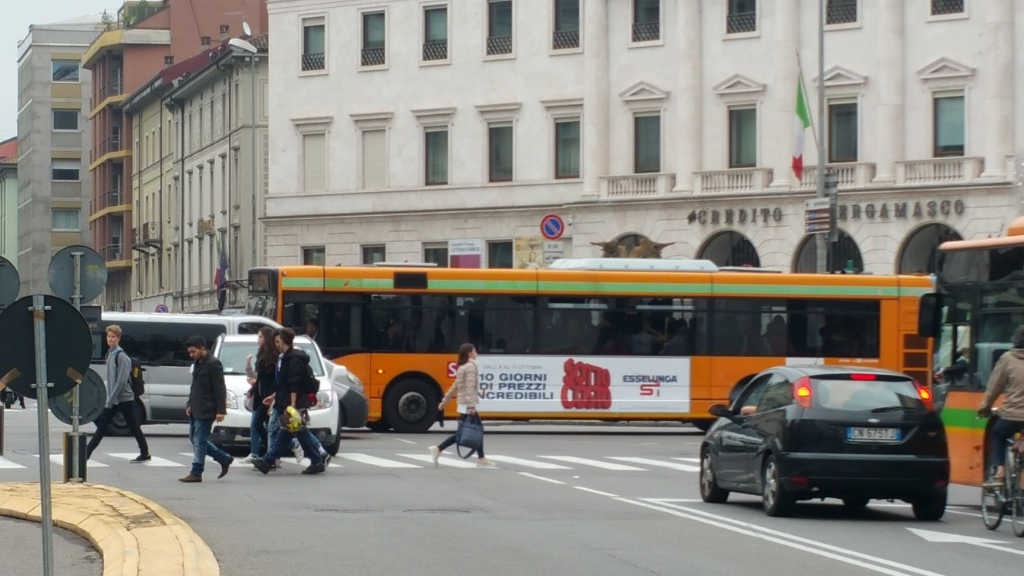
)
(820, 240)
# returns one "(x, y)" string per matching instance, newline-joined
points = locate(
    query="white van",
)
(157, 341)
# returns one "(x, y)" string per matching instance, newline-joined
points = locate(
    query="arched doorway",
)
(846, 255)
(730, 249)
(917, 256)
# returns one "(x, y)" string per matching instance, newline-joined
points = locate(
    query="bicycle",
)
(1008, 498)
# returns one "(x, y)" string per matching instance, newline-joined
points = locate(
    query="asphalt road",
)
(579, 499)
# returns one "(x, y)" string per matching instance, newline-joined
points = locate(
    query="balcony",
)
(313, 61)
(113, 252)
(205, 226)
(373, 56)
(938, 171)
(848, 175)
(637, 186)
(106, 146)
(741, 22)
(646, 31)
(435, 51)
(566, 40)
(151, 234)
(732, 181)
(112, 88)
(497, 45)
(112, 198)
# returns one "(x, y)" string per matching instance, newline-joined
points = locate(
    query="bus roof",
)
(1014, 237)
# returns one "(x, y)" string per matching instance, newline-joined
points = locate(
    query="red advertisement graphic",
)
(586, 387)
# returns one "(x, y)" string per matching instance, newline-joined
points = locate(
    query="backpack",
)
(306, 394)
(135, 377)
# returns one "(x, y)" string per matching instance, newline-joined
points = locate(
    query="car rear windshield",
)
(860, 395)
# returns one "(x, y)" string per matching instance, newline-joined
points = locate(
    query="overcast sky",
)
(17, 16)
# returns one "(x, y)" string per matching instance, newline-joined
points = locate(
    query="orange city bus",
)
(596, 339)
(972, 319)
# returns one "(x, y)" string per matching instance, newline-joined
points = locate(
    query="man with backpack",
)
(296, 391)
(120, 396)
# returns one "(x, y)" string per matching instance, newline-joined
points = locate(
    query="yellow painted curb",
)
(136, 536)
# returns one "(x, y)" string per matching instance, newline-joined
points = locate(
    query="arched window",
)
(730, 249)
(917, 256)
(845, 256)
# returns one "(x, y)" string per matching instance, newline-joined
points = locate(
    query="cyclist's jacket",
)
(1007, 378)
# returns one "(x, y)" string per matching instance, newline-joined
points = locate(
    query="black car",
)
(796, 433)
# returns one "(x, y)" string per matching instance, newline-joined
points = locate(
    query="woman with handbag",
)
(262, 383)
(465, 390)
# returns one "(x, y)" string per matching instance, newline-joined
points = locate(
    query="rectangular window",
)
(742, 16)
(499, 254)
(374, 253)
(841, 12)
(742, 137)
(567, 25)
(313, 148)
(64, 70)
(436, 253)
(500, 152)
(499, 27)
(375, 160)
(941, 7)
(313, 44)
(313, 256)
(949, 126)
(65, 219)
(647, 144)
(436, 157)
(65, 119)
(842, 132)
(435, 33)
(66, 170)
(374, 38)
(646, 20)
(567, 149)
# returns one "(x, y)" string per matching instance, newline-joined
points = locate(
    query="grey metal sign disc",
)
(68, 346)
(92, 397)
(62, 273)
(10, 282)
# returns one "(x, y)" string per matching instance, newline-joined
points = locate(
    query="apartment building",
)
(411, 130)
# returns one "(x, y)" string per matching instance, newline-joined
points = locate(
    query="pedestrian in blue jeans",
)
(207, 401)
(262, 382)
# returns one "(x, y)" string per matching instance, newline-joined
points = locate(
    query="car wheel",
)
(334, 445)
(855, 503)
(411, 406)
(119, 427)
(930, 506)
(709, 490)
(777, 501)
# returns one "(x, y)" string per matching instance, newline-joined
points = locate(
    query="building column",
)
(888, 141)
(595, 97)
(998, 88)
(778, 113)
(689, 137)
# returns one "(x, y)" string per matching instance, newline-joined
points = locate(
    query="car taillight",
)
(924, 394)
(859, 376)
(802, 391)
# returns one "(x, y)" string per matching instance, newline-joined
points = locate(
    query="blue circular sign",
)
(161, 308)
(552, 227)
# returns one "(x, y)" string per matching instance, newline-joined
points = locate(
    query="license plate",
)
(864, 434)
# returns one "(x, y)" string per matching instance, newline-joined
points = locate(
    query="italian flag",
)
(803, 121)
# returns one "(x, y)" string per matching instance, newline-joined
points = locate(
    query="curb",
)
(135, 535)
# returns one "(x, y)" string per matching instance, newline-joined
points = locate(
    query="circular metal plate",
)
(92, 397)
(10, 282)
(62, 273)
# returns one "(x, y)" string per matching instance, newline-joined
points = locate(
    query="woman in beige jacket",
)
(465, 389)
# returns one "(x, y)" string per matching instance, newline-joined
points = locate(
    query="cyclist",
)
(1007, 378)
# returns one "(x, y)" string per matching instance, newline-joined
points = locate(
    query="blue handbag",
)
(469, 435)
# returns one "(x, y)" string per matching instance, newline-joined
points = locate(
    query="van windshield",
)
(867, 395)
(232, 356)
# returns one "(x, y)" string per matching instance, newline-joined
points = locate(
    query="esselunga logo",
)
(650, 378)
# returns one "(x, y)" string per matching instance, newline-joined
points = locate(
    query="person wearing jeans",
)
(120, 398)
(207, 401)
(261, 378)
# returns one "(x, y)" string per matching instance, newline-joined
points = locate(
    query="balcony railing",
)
(112, 198)
(437, 50)
(373, 56)
(956, 170)
(848, 175)
(646, 31)
(732, 181)
(566, 39)
(112, 252)
(841, 12)
(740, 22)
(637, 186)
(151, 233)
(499, 45)
(313, 61)
(940, 7)
(109, 144)
(112, 88)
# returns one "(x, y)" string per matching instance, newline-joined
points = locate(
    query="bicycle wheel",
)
(992, 507)
(1015, 495)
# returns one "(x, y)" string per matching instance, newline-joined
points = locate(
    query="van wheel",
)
(119, 427)
(411, 405)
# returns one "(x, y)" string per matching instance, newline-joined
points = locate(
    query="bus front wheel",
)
(411, 405)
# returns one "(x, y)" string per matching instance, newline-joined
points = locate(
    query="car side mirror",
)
(720, 411)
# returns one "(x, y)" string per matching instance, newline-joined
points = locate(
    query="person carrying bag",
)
(469, 433)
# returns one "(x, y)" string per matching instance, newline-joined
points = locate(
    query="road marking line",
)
(658, 463)
(190, 455)
(694, 460)
(58, 459)
(598, 492)
(156, 462)
(6, 464)
(528, 463)
(536, 477)
(443, 460)
(594, 463)
(948, 511)
(788, 539)
(406, 441)
(375, 461)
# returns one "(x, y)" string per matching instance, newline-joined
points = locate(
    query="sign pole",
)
(820, 243)
(76, 301)
(42, 386)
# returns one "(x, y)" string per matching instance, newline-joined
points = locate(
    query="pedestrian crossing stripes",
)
(443, 460)
(375, 460)
(58, 459)
(527, 463)
(6, 464)
(657, 463)
(595, 463)
(155, 461)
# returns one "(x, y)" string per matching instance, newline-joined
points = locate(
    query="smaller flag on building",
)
(221, 275)
(803, 121)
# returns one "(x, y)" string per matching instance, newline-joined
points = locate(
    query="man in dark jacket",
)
(207, 401)
(291, 374)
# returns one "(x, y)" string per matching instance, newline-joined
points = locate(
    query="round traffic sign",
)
(93, 275)
(10, 283)
(160, 308)
(92, 397)
(68, 346)
(552, 227)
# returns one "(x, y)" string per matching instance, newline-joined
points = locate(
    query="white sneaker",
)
(484, 463)
(297, 450)
(435, 453)
(249, 458)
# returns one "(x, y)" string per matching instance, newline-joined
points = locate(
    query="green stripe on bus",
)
(613, 287)
(376, 283)
(449, 284)
(962, 418)
(914, 291)
(808, 289)
(296, 282)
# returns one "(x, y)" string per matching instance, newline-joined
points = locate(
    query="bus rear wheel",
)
(411, 405)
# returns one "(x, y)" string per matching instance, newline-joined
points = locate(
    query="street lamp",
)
(246, 47)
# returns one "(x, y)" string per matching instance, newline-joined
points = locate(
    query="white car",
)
(340, 401)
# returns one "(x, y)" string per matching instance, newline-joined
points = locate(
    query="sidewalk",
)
(135, 536)
(72, 555)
